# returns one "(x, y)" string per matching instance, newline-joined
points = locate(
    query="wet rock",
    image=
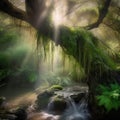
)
(56, 101)
(77, 93)
(57, 105)
(7, 113)
(78, 97)
(43, 99)
(20, 114)
(7, 117)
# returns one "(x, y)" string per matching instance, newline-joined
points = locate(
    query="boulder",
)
(43, 99)
(57, 105)
(20, 114)
(56, 101)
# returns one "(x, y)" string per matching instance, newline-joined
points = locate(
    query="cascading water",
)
(76, 111)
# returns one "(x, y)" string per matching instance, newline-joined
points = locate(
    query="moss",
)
(55, 87)
(58, 104)
(88, 51)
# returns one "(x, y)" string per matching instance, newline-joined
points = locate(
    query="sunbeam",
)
(58, 15)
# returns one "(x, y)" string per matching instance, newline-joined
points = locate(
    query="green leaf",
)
(109, 96)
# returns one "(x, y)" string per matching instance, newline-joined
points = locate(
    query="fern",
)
(109, 96)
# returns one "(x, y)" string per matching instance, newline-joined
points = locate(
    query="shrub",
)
(16, 65)
(109, 96)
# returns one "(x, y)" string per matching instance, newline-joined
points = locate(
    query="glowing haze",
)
(60, 9)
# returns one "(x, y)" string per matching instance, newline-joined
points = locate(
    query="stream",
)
(73, 112)
(24, 106)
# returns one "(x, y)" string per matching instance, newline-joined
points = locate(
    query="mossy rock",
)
(55, 88)
(43, 99)
(57, 104)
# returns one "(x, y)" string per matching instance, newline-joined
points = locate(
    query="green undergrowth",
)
(109, 96)
(14, 64)
(52, 78)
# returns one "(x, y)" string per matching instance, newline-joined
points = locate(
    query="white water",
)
(76, 111)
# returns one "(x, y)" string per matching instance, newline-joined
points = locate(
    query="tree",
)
(81, 44)
(38, 14)
(35, 9)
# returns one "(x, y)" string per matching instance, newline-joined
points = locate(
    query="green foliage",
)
(8, 39)
(52, 78)
(58, 98)
(55, 87)
(89, 52)
(109, 96)
(14, 63)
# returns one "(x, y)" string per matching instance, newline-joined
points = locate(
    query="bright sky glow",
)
(58, 16)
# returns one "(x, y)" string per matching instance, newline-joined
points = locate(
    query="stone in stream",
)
(20, 114)
(43, 99)
(57, 105)
(55, 102)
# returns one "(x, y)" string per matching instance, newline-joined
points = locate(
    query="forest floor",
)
(18, 96)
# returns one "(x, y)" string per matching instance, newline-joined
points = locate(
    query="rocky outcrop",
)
(9, 114)
(18, 114)
(43, 99)
(57, 101)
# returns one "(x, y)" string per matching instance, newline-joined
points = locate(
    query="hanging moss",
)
(86, 49)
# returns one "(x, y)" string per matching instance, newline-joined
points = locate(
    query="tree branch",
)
(102, 14)
(10, 9)
(33, 18)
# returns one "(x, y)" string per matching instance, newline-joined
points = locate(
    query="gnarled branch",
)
(102, 14)
(10, 9)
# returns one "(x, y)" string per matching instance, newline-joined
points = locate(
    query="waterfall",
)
(76, 111)
(73, 105)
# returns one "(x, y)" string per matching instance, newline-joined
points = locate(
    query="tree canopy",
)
(77, 42)
(35, 9)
